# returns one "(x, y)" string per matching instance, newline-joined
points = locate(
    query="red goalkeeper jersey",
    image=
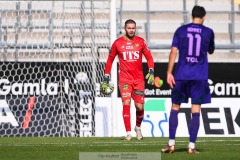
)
(130, 58)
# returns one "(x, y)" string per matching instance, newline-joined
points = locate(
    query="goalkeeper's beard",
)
(130, 36)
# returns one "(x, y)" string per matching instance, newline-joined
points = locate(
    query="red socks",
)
(126, 117)
(139, 117)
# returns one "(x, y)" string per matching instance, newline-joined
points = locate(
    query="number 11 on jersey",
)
(191, 39)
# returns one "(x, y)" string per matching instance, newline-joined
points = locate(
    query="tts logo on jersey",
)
(131, 55)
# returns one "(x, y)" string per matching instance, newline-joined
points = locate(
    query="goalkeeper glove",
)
(105, 87)
(150, 77)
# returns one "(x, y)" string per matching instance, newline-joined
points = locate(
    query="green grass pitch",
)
(68, 148)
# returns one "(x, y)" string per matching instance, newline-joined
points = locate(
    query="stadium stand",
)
(164, 18)
(47, 26)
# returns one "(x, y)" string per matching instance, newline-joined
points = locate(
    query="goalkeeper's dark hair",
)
(198, 12)
(129, 21)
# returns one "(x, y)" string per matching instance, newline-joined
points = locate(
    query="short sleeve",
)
(176, 39)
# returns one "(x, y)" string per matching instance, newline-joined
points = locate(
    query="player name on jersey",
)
(196, 30)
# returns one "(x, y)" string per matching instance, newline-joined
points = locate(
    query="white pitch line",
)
(22, 145)
(124, 143)
(217, 140)
(64, 145)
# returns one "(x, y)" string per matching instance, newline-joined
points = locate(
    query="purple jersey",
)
(193, 42)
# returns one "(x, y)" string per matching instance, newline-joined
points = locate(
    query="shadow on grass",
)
(185, 150)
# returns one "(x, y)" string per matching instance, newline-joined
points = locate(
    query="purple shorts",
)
(197, 90)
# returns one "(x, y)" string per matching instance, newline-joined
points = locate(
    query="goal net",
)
(52, 56)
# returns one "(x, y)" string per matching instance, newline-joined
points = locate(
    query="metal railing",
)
(229, 31)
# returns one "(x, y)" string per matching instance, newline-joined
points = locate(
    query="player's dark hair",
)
(130, 21)
(198, 12)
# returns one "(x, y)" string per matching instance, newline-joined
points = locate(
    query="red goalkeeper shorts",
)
(134, 90)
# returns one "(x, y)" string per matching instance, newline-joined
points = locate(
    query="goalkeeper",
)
(130, 49)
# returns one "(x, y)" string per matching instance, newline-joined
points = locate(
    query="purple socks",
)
(173, 123)
(194, 126)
